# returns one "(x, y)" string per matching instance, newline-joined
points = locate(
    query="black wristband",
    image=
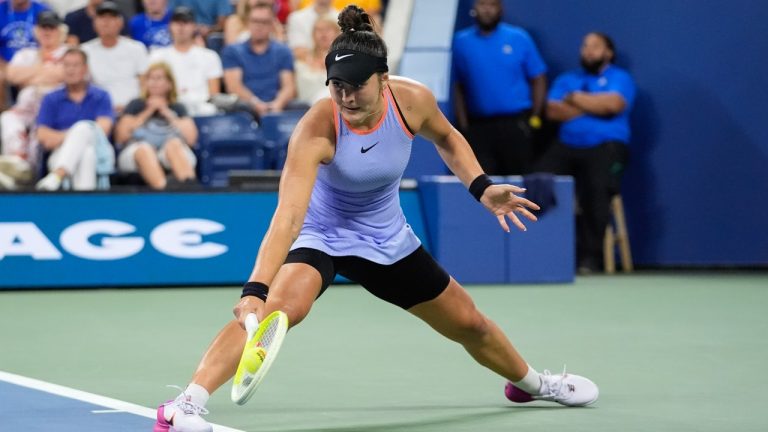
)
(479, 185)
(256, 289)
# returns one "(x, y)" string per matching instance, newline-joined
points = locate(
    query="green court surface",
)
(670, 352)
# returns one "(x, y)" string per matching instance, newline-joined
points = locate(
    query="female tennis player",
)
(339, 212)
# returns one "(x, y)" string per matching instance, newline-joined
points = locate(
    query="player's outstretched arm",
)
(501, 200)
(311, 144)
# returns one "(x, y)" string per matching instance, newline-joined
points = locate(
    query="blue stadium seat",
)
(276, 130)
(215, 42)
(227, 142)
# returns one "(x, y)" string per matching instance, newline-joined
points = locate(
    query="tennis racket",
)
(264, 340)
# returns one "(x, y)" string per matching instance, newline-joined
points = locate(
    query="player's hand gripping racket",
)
(261, 348)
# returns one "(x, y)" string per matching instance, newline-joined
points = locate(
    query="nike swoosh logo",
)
(364, 150)
(338, 57)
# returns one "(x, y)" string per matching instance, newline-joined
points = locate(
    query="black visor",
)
(353, 67)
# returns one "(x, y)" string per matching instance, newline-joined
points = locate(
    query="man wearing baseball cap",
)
(80, 23)
(116, 62)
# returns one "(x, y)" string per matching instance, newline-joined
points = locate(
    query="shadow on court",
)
(476, 415)
(424, 408)
(425, 424)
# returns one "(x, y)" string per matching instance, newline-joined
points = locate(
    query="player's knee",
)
(471, 329)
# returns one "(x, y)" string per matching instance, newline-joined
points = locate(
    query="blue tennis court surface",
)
(31, 410)
(31, 405)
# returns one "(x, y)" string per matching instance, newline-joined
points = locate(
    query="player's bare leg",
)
(454, 315)
(293, 291)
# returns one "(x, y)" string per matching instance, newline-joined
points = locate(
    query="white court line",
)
(113, 404)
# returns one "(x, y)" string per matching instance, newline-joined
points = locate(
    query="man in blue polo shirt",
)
(73, 123)
(500, 90)
(260, 70)
(593, 104)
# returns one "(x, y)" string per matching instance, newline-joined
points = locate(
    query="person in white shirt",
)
(300, 25)
(116, 62)
(196, 70)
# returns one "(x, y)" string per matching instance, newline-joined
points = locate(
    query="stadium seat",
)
(276, 130)
(215, 41)
(227, 142)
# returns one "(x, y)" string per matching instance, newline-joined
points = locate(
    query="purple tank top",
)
(355, 204)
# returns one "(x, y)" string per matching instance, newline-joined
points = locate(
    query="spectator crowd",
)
(90, 88)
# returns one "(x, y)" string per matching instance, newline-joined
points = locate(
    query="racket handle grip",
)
(251, 324)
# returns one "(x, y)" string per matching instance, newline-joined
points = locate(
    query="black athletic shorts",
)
(412, 280)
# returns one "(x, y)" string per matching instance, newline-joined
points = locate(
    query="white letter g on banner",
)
(183, 238)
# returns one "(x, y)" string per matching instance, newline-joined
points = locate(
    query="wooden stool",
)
(616, 234)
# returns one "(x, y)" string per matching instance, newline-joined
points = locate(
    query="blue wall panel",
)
(100, 240)
(546, 252)
(465, 238)
(470, 244)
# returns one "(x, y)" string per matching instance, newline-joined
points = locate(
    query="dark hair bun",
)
(353, 18)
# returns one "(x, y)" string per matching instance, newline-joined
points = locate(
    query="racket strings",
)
(265, 341)
(269, 334)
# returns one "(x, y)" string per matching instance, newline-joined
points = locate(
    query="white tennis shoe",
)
(565, 389)
(181, 415)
